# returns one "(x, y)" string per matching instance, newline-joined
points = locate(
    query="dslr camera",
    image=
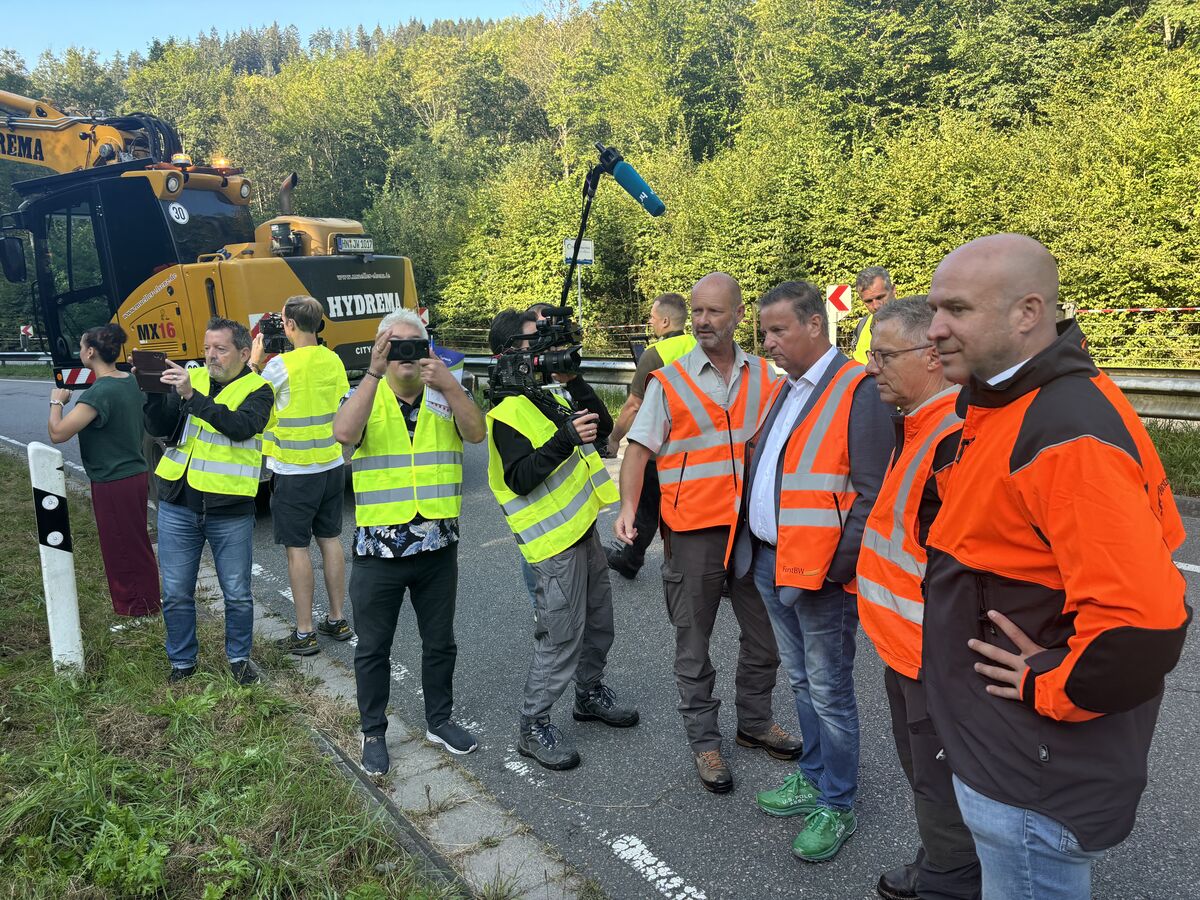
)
(270, 326)
(552, 350)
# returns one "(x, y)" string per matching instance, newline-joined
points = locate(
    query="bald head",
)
(994, 301)
(717, 309)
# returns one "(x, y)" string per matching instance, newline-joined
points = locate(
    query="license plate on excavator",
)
(355, 244)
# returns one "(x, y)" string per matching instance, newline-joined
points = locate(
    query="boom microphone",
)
(628, 178)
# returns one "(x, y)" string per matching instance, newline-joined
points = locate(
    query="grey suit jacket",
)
(871, 438)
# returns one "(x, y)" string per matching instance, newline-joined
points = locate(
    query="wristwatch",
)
(58, 403)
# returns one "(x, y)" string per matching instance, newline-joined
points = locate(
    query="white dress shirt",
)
(763, 512)
(1007, 373)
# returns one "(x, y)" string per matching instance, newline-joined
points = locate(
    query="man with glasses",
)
(813, 472)
(875, 288)
(891, 574)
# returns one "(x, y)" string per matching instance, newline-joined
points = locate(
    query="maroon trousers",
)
(129, 563)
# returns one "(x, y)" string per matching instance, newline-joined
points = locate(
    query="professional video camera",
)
(270, 326)
(552, 350)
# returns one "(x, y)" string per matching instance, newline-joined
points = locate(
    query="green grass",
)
(115, 785)
(1178, 446)
(20, 370)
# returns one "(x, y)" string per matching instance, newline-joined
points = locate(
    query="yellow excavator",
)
(129, 229)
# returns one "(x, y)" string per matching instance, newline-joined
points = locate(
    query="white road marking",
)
(1188, 567)
(629, 848)
(27, 380)
(66, 462)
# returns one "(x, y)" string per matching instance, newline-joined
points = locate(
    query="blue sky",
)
(127, 26)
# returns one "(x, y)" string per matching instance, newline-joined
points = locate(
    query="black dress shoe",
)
(899, 883)
(619, 563)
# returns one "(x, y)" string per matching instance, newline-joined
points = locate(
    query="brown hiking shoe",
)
(777, 742)
(713, 771)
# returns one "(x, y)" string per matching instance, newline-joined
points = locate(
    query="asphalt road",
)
(633, 814)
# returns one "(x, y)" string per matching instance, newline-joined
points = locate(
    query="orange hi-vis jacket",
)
(1057, 513)
(891, 563)
(700, 465)
(816, 492)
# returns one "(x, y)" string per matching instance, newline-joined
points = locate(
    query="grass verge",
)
(1178, 446)
(114, 785)
(20, 370)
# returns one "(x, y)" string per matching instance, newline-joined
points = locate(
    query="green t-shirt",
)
(111, 444)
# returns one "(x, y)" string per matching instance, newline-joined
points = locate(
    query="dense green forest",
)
(788, 138)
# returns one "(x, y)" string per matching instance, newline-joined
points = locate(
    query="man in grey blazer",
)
(814, 471)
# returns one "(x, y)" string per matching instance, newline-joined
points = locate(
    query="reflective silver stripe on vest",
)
(304, 421)
(719, 469)
(815, 481)
(388, 495)
(438, 491)
(554, 480)
(833, 399)
(556, 519)
(373, 463)
(224, 468)
(754, 398)
(216, 439)
(810, 518)
(893, 549)
(438, 458)
(695, 406)
(311, 444)
(175, 455)
(907, 609)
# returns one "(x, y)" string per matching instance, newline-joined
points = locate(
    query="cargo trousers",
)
(694, 573)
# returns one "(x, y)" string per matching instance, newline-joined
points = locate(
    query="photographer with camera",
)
(407, 473)
(582, 394)
(550, 482)
(207, 483)
(309, 381)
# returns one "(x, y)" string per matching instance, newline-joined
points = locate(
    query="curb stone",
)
(432, 801)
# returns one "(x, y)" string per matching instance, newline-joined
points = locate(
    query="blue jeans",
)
(181, 537)
(816, 646)
(530, 581)
(1025, 855)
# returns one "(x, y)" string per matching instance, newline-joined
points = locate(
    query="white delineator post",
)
(58, 559)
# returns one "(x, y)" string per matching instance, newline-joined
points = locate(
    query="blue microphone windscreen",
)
(627, 176)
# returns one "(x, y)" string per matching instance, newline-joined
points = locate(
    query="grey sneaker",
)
(600, 705)
(375, 759)
(543, 742)
(453, 737)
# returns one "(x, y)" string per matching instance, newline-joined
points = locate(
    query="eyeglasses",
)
(881, 357)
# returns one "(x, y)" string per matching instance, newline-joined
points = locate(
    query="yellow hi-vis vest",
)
(863, 342)
(396, 477)
(302, 432)
(560, 510)
(670, 349)
(214, 463)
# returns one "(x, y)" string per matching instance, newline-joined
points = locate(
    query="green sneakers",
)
(825, 830)
(797, 797)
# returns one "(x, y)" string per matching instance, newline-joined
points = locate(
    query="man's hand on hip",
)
(1011, 668)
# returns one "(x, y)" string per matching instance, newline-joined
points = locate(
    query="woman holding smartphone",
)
(108, 419)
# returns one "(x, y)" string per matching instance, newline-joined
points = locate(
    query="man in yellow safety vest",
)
(207, 483)
(309, 478)
(407, 475)
(550, 482)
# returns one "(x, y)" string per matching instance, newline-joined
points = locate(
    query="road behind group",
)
(633, 815)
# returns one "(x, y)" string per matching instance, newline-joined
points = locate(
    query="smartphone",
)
(408, 349)
(150, 365)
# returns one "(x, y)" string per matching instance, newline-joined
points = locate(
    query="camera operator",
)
(407, 472)
(582, 394)
(206, 489)
(309, 481)
(550, 482)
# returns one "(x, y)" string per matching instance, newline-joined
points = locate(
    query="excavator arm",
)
(36, 133)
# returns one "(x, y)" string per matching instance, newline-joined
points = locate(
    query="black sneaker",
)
(600, 705)
(244, 672)
(338, 629)
(619, 562)
(179, 674)
(543, 742)
(453, 737)
(375, 759)
(298, 644)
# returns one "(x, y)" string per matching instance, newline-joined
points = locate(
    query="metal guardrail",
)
(1154, 393)
(25, 357)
